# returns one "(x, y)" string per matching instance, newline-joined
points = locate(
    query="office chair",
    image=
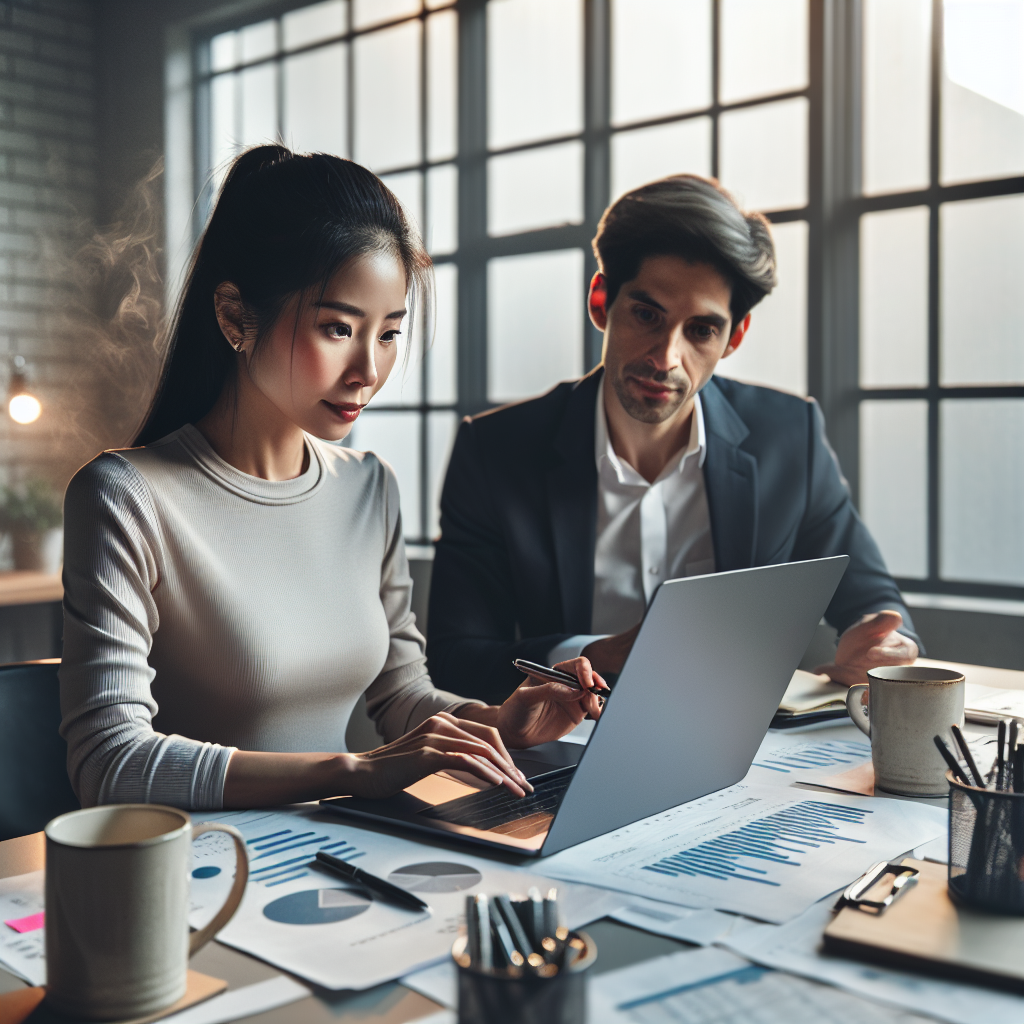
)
(34, 784)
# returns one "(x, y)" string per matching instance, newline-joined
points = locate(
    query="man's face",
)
(664, 334)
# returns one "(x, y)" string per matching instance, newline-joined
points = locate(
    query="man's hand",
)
(867, 644)
(609, 654)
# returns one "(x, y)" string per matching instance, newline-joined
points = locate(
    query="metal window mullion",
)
(425, 326)
(716, 65)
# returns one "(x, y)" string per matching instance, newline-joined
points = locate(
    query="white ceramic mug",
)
(117, 938)
(908, 705)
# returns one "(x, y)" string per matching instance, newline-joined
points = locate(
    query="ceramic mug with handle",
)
(117, 937)
(908, 705)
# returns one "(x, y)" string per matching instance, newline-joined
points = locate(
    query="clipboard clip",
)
(854, 895)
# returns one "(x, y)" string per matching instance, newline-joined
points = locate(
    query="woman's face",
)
(327, 357)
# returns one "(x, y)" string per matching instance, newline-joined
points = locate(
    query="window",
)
(888, 161)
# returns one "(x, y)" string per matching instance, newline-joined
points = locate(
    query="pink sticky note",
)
(28, 924)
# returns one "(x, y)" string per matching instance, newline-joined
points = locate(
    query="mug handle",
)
(200, 938)
(859, 712)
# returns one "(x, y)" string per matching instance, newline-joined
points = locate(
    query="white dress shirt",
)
(646, 532)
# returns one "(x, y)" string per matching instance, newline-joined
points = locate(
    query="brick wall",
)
(47, 190)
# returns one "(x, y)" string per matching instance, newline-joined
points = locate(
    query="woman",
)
(242, 576)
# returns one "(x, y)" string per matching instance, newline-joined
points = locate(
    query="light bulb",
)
(24, 408)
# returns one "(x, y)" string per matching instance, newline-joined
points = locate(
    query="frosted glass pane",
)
(223, 133)
(538, 188)
(983, 90)
(375, 12)
(763, 48)
(442, 209)
(387, 107)
(982, 266)
(442, 85)
(522, 362)
(982, 490)
(897, 65)
(534, 70)
(894, 298)
(441, 427)
(314, 100)
(408, 187)
(258, 41)
(763, 154)
(259, 105)
(442, 356)
(223, 50)
(895, 505)
(645, 154)
(649, 80)
(312, 24)
(395, 438)
(774, 351)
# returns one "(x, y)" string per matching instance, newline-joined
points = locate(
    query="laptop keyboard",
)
(497, 809)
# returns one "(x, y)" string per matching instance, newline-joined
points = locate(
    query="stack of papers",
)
(810, 698)
(988, 705)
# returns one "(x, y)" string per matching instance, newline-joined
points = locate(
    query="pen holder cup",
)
(487, 997)
(986, 848)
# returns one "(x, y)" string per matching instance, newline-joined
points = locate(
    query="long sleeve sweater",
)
(206, 611)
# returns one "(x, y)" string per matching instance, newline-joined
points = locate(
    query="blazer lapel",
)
(730, 480)
(572, 501)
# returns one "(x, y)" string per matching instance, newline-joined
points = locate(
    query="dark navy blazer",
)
(514, 568)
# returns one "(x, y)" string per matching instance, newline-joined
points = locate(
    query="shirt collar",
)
(603, 446)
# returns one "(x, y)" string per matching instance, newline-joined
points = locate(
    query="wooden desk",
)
(30, 588)
(393, 1003)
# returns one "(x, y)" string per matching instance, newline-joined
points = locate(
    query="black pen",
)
(954, 765)
(554, 675)
(965, 752)
(387, 891)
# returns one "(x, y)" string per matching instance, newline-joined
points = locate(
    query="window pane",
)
(223, 51)
(314, 100)
(982, 266)
(897, 64)
(258, 41)
(312, 24)
(894, 298)
(442, 209)
(223, 133)
(982, 490)
(648, 78)
(387, 107)
(534, 70)
(538, 188)
(442, 54)
(896, 508)
(259, 104)
(408, 187)
(525, 362)
(645, 154)
(764, 48)
(983, 90)
(763, 156)
(441, 428)
(774, 352)
(375, 12)
(395, 438)
(442, 358)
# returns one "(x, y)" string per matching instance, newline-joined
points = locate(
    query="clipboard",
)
(924, 930)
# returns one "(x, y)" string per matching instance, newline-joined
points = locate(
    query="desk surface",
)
(393, 1003)
(30, 588)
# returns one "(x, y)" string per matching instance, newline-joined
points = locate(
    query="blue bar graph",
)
(289, 852)
(776, 840)
(817, 755)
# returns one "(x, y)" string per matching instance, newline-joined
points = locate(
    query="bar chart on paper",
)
(785, 756)
(762, 851)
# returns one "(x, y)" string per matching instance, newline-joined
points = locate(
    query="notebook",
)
(810, 698)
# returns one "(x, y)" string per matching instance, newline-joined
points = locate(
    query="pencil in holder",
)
(986, 848)
(522, 996)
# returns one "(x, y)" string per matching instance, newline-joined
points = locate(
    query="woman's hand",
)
(540, 711)
(441, 743)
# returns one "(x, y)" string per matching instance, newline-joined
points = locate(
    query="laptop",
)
(686, 717)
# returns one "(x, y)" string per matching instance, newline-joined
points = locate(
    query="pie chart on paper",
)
(435, 876)
(317, 906)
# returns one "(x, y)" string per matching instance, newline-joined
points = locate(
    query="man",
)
(562, 514)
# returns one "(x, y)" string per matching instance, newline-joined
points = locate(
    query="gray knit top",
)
(206, 610)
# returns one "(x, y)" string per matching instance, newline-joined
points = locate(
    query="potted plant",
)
(29, 513)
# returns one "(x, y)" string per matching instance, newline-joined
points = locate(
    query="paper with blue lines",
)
(313, 924)
(761, 851)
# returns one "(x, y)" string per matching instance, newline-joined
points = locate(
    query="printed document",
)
(761, 851)
(23, 952)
